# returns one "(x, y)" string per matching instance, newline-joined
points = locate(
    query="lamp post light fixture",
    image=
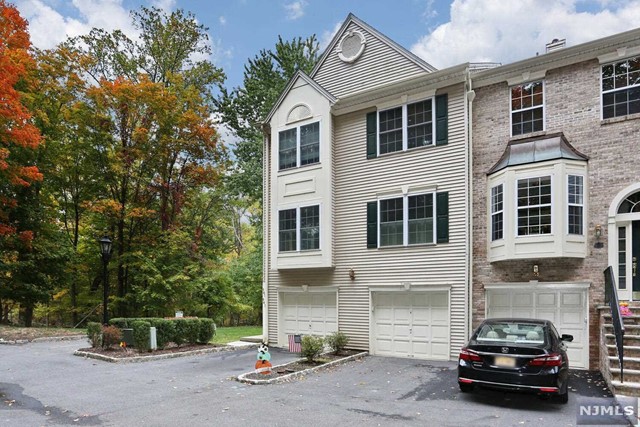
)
(105, 250)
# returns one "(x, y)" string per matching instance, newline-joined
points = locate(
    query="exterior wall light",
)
(536, 272)
(598, 231)
(352, 274)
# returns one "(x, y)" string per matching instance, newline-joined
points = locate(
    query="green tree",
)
(69, 157)
(151, 112)
(244, 108)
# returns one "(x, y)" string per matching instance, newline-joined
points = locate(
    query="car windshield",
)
(518, 332)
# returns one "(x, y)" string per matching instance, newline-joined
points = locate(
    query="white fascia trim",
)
(526, 77)
(309, 288)
(406, 190)
(620, 53)
(398, 100)
(534, 284)
(410, 287)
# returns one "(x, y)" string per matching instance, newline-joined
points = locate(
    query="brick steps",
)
(631, 345)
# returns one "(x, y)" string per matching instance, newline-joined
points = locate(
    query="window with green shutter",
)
(408, 220)
(408, 126)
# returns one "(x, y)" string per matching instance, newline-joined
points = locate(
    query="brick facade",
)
(572, 106)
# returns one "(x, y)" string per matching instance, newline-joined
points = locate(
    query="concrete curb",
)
(138, 359)
(43, 339)
(284, 378)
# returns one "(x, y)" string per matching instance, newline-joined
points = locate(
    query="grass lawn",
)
(228, 334)
(10, 333)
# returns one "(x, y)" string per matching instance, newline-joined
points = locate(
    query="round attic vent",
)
(351, 46)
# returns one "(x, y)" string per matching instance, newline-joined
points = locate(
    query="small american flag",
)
(294, 343)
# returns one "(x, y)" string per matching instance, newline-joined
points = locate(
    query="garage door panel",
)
(499, 299)
(384, 345)
(547, 299)
(402, 315)
(401, 331)
(440, 351)
(547, 314)
(307, 313)
(572, 299)
(505, 312)
(566, 308)
(570, 318)
(440, 332)
(440, 299)
(421, 332)
(523, 299)
(440, 316)
(409, 324)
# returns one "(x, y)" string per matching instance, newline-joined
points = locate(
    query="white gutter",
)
(266, 151)
(470, 95)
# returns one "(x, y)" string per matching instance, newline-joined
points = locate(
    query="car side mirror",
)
(566, 337)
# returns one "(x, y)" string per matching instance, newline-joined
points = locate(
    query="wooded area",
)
(107, 135)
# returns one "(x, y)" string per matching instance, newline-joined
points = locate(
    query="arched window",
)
(631, 204)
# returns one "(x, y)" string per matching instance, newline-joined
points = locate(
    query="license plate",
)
(505, 362)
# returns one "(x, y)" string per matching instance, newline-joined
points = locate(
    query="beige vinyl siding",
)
(379, 65)
(358, 180)
(272, 297)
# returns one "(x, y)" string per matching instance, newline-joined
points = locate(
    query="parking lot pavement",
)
(43, 384)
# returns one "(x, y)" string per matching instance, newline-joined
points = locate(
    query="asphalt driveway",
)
(44, 384)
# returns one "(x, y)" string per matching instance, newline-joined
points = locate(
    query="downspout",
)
(470, 95)
(266, 173)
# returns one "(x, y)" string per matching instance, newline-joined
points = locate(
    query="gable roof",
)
(351, 18)
(298, 75)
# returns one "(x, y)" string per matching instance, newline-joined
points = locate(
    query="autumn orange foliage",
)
(17, 131)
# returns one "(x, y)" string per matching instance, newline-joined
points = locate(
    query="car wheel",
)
(466, 388)
(563, 398)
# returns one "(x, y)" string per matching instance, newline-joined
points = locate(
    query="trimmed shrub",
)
(165, 331)
(141, 334)
(111, 335)
(311, 347)
(180, 331)
(206, 330)
(192, 330)
(120, 322)
(337, 341)
(94, 334)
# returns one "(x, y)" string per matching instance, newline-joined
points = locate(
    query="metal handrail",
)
(611, 297)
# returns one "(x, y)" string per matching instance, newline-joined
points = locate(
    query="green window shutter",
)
(372, 225)
(442, 213)
(442, 120)
(372, 130)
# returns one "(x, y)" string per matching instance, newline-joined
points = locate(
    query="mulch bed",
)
(300, 365)
(120, 353)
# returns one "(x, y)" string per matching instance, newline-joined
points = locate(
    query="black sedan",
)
(516, 355)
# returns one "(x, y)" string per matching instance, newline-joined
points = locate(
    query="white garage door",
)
(307, 313)
(566, 308)
(411, 324)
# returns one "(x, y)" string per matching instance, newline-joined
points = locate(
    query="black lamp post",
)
(105, 250)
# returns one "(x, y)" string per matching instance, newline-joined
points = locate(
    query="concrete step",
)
(629, 340)
(630, 363)
(629, 350)
(628, 328)
(630, 375)
(634, 319)
(628, 388)
(254, 339)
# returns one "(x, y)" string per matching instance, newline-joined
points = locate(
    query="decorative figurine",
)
(263, 365)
